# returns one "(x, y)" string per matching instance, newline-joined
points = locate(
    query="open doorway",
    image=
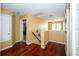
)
(23, 30)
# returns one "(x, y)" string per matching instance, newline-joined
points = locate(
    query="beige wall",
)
(5, 11)
(32, 24)
(52, 36)
(56, 36)
(15, 28)
(6, 43)
(49, 25)
(0, 9)
(46, 37)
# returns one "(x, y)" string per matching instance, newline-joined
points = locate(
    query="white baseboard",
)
(42, 46)
(6, 48)
(17, 41)
(46, 42)
(28, 43)
(56, 42)
(9, 46)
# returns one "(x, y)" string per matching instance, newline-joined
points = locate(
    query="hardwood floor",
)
(21, 49)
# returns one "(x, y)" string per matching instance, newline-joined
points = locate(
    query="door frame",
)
(21, 27)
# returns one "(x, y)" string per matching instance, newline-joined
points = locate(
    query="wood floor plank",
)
(21, 49)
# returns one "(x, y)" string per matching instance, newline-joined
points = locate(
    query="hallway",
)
(21, 49)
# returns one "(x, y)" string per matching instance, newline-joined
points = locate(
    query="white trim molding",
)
(28, 43)
(9, 46)
(6, 48)
(42, 46)
(56, 42)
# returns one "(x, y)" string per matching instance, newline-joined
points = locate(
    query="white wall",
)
(21, 30)
(74, 33)
(43, 27)
(77, 30)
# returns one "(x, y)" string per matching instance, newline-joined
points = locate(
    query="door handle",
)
(8, 33)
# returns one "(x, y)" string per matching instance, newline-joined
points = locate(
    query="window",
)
(56, 27)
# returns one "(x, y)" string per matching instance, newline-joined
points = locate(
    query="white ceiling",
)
(47, 11)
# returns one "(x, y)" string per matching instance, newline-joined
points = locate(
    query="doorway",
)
(23, 30)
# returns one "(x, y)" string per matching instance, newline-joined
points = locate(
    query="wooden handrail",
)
(36, 37)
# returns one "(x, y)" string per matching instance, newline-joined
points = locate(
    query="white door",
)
(21, 30)
(67, 32)
(77, 30)
(6, 27)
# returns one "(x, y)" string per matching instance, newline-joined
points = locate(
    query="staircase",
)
(40, 38)
(37, 36)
